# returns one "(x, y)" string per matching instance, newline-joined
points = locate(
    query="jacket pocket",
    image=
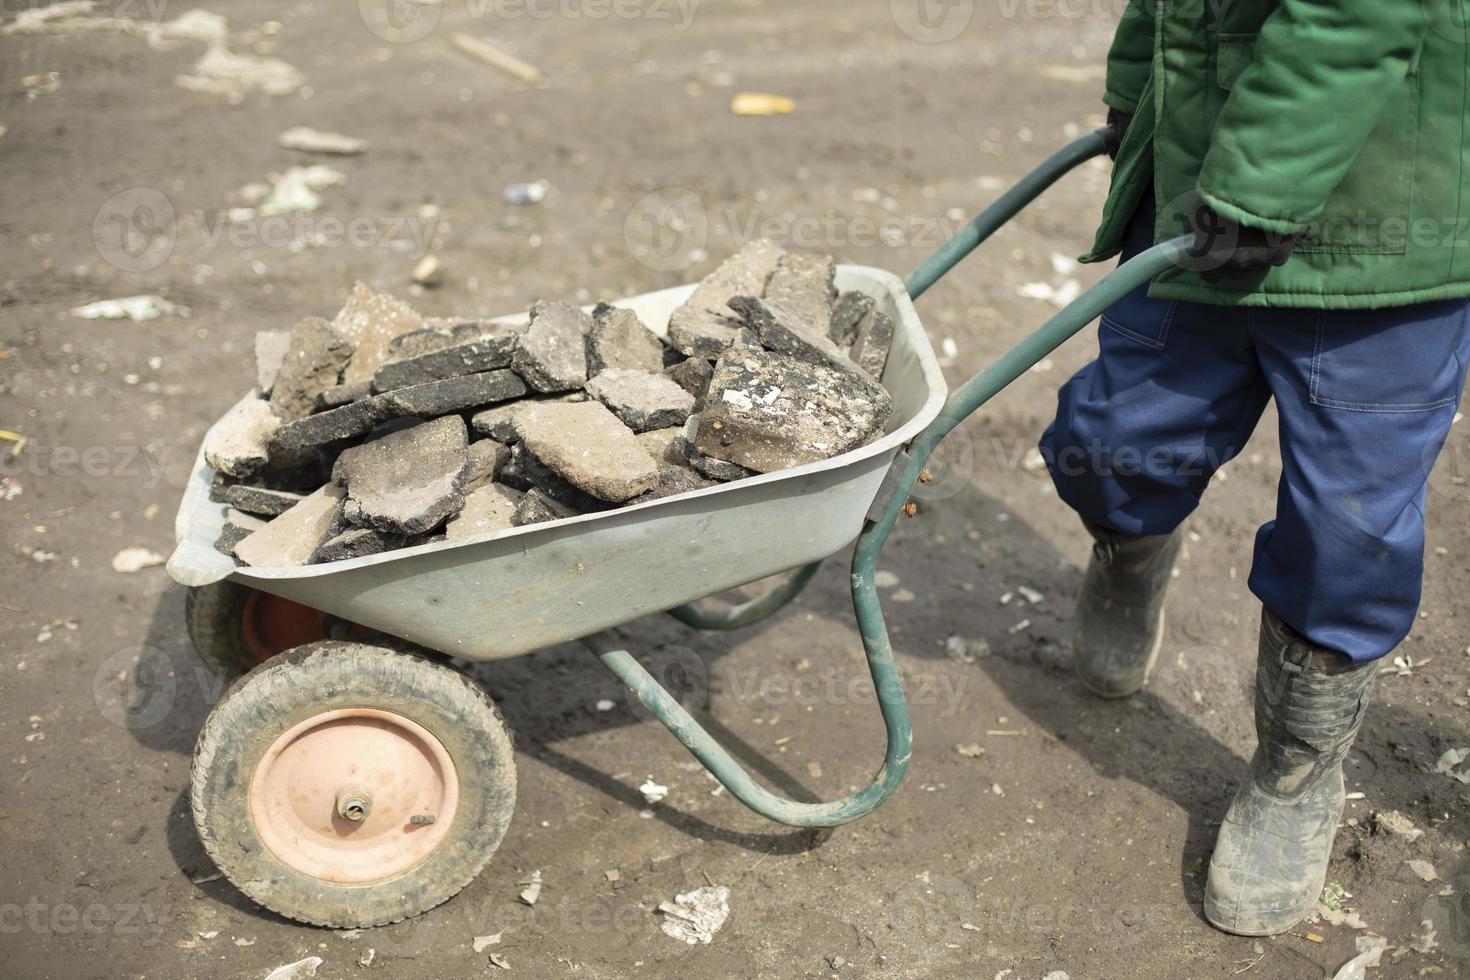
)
(1368, 212)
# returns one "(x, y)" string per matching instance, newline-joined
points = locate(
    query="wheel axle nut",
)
(354, 805)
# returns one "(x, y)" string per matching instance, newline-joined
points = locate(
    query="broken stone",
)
(523, 471)
(802, 286)
(703, 326)
(355, 542)
(339, 395)
(220, 485)
(673, 480)
(782, 331)
(351, 421)
(552, 353)
(586, 445)
(692, 374)
(237, 528)
(313, 362)
(495, 422)
(270, 351)
(490, 508)
(642, 399)
(666, 446)
(293, 537)
(407, 482)
(718, 469)
(769, 411)
(875, 337)
(240, 445)
(483, 354)
(536, 507)
(435, 398)
(486, 458)
(440, 332)
(847, 316)
(259, 500)
(370, 320)
(620, 340)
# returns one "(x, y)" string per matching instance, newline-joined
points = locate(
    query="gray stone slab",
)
(643, 400)
(692, 374)
(875, 339)
(351, 421)
(674, 480)
(339, 395)
(270, 351)
(371, 320)
(355, 542)
(769, 411)
(237, 528)
(486, 459)
(589, 447)
(703, 326)
(537, 507)
(802, 286)
(474, 357)
(407, 482)
(240, 444)
(293, 537)
(314, 361)
(781, 330)
(261, 500)
(551, 355)
(488, 509)
(847, 315)
(434, 398)
(620, 340)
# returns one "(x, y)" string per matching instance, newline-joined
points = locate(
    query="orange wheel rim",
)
(354, 795)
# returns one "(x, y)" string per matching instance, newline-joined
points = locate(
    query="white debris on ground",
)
(145, 307)
(885, 580)
(1396, 823)
(524, 195)
(652, 791)
(429, 271)
(296, 971)
(221, 71)
(605, 705)
(309, 140)
(695, 917)
(496, 57)
(482, 943)
(1370, 951)
(1446, 766)
(131, 560)
(1424, 870)
(1058, 295)
(532, 891)
(293, 190)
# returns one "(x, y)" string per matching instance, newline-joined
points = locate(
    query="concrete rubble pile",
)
(383, 429)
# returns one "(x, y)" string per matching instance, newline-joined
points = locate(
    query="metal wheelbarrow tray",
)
(511, 592)
(354, 784)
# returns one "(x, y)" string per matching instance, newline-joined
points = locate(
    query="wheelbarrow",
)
(354, 778)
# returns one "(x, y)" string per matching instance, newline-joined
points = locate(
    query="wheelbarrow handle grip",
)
(1005, 207)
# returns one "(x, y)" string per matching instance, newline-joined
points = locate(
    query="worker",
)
(1316, 150)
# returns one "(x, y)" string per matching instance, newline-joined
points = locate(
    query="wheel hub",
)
(342, 796)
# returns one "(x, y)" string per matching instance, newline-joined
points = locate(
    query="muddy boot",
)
(1119, 623)
(1270, 860)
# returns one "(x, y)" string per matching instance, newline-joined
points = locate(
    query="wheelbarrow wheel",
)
(236, 628)
(349, 785)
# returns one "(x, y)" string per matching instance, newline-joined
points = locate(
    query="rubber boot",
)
(1119, 623)
(1270, 860)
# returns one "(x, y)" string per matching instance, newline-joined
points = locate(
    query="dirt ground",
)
(1077, 841)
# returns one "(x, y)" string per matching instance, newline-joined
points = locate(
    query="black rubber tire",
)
(320, 677)
(215, 617)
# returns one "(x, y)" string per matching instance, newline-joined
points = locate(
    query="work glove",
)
(1226, 249)
(1112, 132)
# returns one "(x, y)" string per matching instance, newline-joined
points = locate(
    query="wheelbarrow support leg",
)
(753, 611)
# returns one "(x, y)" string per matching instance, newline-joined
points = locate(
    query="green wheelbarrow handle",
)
(963, 402)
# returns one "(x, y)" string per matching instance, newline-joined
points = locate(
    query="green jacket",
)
(1346, 121)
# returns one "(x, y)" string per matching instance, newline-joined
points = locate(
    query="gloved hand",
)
(1225, 249)
(1112, 132)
